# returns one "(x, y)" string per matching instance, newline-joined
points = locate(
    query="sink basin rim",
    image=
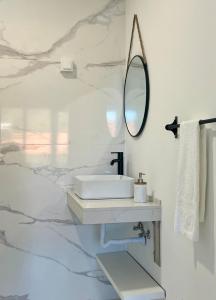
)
(103, 178)
(103, 186)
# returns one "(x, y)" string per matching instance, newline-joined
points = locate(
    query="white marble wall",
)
(53, 126)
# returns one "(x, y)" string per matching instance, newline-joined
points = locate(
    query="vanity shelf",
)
(113, 210)
(128, 278)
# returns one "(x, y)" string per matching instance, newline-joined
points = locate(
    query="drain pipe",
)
(105, 244)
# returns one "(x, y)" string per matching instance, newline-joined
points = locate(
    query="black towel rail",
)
(175, 125)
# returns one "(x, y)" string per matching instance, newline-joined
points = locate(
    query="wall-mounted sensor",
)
(66, 64)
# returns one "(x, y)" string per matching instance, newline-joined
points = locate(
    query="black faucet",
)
(120, 161)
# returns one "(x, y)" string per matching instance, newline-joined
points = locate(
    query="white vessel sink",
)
(103, 186)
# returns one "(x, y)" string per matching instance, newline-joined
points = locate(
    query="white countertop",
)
(113, 210)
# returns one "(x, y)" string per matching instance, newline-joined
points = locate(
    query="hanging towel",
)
(191, 180)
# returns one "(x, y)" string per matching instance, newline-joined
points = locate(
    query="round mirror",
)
(136, 96)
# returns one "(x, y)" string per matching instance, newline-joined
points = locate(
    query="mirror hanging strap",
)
(136, 23)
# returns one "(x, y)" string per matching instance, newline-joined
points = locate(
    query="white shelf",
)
(113, 210)
(128, 278)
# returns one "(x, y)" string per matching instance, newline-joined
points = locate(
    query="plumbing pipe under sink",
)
(106, 244)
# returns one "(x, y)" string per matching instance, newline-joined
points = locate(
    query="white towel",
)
(191, 180)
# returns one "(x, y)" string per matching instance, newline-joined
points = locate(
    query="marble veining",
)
(2, 89)
(97, 274)
(23, 297)
(15, 297)
(6, 148)
(32, 220)
(103, 17)
(73, 244)
(54, 174)
(33, 66)
(52, 127)
(51, 172)
(109, 64)
(36, 59)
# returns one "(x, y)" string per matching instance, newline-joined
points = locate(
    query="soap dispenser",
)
(140, 189)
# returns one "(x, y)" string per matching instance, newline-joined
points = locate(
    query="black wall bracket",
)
(173, 127)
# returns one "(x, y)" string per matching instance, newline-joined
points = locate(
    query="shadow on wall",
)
(204, 250)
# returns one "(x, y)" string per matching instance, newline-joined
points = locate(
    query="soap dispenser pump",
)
(140, 190)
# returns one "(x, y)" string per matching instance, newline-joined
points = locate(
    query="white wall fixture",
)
(66, 64)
